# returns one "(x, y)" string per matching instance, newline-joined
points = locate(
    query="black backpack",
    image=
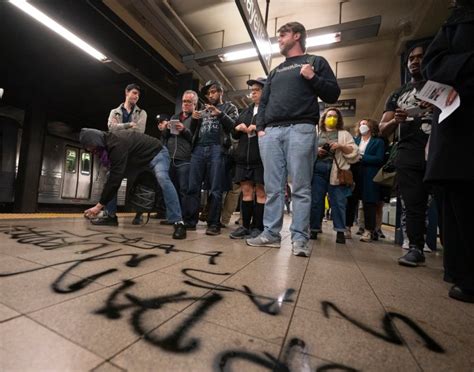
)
(143, 194)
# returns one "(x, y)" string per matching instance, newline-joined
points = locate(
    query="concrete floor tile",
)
(341, 341)
(452, 356)
(201, 348)
(27, 346)
(255, 313)
(107, 367)
(107, 321)
(339, 284)
(227, 261)
(30, 287)
(7, 313)
(192, 308)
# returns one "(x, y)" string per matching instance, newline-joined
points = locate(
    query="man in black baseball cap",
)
(211, 84)
(211, 130)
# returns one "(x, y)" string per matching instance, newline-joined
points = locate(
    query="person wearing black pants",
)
(249, 167)
(450, 60)
(411, 119)
(371, 149)
(415, 196)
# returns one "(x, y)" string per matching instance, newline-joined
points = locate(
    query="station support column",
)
(31, 154)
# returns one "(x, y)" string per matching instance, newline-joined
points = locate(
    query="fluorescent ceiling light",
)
(310, 42)
(60, 30)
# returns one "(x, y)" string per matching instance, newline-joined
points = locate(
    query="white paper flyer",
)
(437, 94)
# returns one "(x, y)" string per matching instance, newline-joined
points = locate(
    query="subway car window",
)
(86, 163)
(71, 161)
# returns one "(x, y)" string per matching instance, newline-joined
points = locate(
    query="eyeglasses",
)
(187, 101)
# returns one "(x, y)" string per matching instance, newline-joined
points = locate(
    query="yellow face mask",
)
(330, 122)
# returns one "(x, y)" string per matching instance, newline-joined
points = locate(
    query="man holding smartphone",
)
(211, 140)
(178, 139)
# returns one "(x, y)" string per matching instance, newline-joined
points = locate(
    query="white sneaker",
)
(406, 244)
(348, 233)
(263, 241)
(301, 249)
(427, 249)
(366, 237)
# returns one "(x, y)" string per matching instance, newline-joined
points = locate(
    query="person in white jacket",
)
(335, 145)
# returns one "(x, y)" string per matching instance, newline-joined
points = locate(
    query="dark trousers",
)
(415, 195)
(351, 210)
(179, 174)
(205, 160)
(369, 215)
(458, 206)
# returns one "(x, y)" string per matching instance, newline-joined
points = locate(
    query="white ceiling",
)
(217, 23)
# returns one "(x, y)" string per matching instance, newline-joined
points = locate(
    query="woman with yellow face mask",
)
(335, 144)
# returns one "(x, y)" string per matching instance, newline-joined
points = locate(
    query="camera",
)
(327, 147)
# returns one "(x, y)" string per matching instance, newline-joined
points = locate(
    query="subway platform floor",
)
(76, 297)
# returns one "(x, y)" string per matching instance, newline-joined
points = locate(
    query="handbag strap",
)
(335, 161)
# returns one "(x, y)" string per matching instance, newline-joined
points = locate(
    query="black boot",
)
(179, 231)
(340, 238)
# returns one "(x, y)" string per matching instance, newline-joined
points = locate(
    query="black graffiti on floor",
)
(50, 240)
(141, 243)
(176, 341)
(265, 304)
(58, 286)
(389, 333)
(295, 358)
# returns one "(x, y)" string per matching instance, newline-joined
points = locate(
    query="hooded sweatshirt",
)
(126, 150)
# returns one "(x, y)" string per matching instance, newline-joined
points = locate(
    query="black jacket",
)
(126, 150)
(227, 118)
(450, 60)
(289, 98)
(179, 146)
(247, 153)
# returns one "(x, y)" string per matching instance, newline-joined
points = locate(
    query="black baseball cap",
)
(260, 80)
(162, 117)
(209, 84)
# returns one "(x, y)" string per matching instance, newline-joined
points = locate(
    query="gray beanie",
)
(92, 137)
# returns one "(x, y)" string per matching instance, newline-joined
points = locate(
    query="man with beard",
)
(211, 129)
(412, 119)
(286, 127)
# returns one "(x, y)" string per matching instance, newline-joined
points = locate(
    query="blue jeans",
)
(288, 151)
(205, 160)
(179, 174)
(337, 197)
(161, 165)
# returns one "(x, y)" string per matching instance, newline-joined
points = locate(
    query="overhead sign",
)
(347, 107)
(250, 12)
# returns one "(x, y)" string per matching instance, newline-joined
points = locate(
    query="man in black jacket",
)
(124, 150)
(211, 130)
(286, 127)
(405, 114)
(179, 140)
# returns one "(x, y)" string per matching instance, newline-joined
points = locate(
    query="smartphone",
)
(173, 129)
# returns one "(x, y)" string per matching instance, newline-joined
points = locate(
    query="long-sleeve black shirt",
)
(180, 145)
(126, 150)
(289, 98)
